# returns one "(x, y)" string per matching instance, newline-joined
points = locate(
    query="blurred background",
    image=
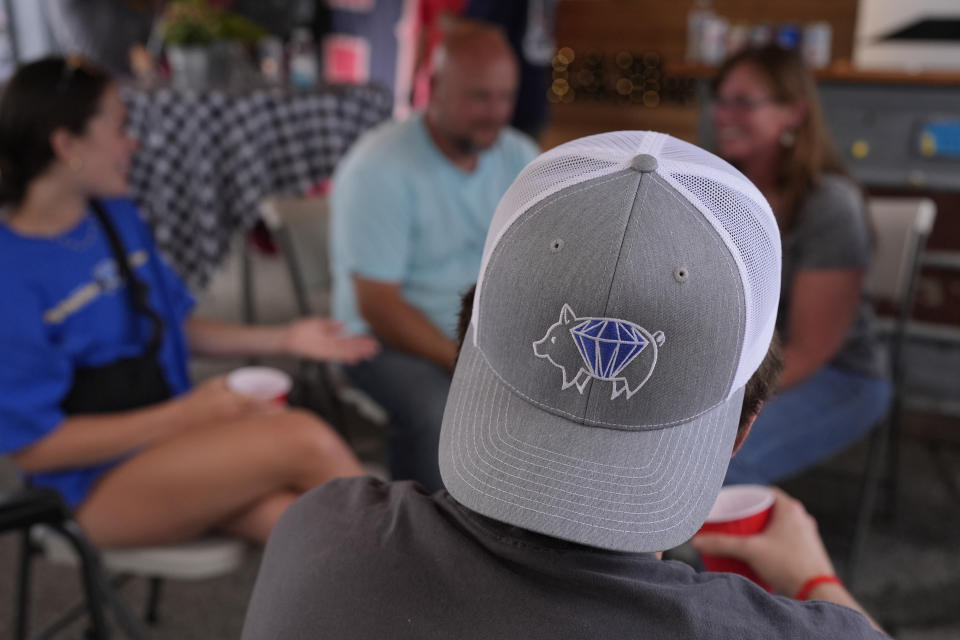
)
(888, 73)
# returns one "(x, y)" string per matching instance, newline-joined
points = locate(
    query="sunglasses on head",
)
(71, 65)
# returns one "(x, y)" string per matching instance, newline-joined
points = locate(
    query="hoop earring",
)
(788, 138)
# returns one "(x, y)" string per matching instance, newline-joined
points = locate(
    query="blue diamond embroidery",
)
(607, 346)
(587, 347)
(593, 327)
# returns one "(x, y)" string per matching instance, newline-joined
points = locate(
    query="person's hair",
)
(813, 152)
(759, 387)
(41, 97)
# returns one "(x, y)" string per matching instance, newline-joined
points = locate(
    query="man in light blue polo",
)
(410, 208)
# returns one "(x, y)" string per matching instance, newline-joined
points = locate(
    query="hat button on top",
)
(644, 163)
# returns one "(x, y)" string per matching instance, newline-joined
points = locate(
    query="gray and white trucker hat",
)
(628, 291)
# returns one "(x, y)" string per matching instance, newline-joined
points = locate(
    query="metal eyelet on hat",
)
(556, 245)
(681, 274)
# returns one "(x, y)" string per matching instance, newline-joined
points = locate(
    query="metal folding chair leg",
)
(99, 593)
(894, 439)
(79, 609)
(91, 576)
(22, 608)
(869, 487)
(248, 304)
(285, 242)
(152, 613)
(128, 623)
(315, 390)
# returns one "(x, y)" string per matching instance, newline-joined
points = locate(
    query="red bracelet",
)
(813, 583)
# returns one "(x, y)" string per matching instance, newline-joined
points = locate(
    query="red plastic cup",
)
(265, 383)
(740, 510)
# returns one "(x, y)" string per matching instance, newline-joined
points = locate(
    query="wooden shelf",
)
(839, 72)
(569, 121)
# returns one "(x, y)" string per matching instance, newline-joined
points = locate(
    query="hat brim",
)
(626, 490)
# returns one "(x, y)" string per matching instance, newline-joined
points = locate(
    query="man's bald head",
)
(469, 42)
(474, 85)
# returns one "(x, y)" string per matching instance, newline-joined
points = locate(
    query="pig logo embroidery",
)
(599, 348)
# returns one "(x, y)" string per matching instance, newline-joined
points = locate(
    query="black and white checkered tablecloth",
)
(207, 160)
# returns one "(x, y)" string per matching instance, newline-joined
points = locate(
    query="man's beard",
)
(465, 145)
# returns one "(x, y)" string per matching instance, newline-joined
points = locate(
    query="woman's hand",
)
(213, 401)
(322, 339)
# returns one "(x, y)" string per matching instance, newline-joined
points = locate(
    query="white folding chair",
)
(901, 227)
(48, 530)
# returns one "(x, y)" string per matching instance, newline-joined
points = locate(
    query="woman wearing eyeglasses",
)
(95, 397)
(768, 122)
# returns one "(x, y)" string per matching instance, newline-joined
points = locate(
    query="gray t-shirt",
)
(358, 558)
(831, 232)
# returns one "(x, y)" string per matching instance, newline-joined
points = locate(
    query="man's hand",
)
(785, 555)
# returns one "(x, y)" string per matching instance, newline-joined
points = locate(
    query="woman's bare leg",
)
(193, 482)
(256, 522)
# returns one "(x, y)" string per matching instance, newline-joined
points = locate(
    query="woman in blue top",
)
(95, 399)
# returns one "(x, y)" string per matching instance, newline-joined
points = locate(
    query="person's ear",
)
(437, 87)
(436, 93)
(797, 114)
(63, 143)
(743, 432)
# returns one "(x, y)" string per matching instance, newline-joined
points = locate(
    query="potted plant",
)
(204, 43)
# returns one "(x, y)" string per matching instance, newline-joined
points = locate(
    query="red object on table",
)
(346, 59)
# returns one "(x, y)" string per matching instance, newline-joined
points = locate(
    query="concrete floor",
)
(911, 576)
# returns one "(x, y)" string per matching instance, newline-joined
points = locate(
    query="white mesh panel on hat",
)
(682, 152)
(736, 205)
